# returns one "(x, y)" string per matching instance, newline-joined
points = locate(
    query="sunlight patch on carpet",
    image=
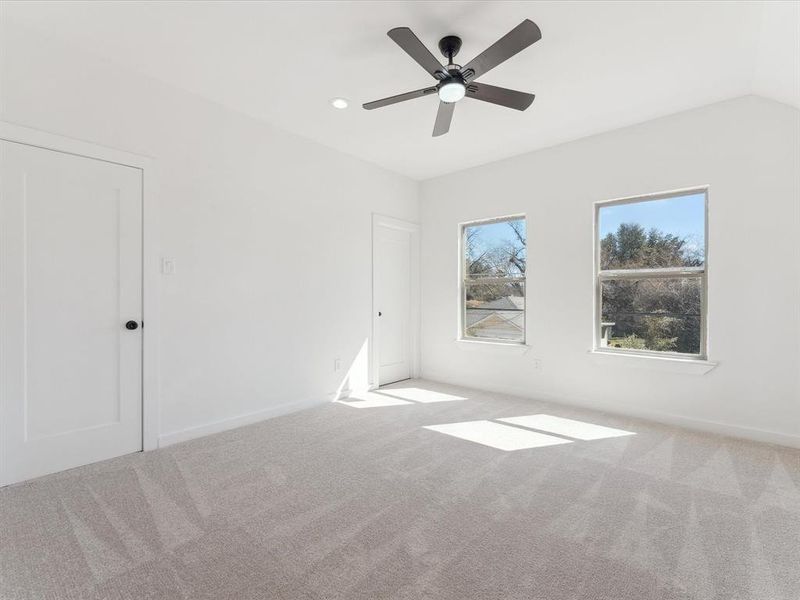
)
(496, 435)
(579, 430)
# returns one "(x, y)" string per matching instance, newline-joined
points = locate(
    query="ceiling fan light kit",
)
(456, 82)
(452, 91)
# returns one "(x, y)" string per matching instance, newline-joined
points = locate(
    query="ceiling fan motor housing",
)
(449, 46)
(451, 87)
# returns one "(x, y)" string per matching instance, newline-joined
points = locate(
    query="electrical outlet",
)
(168, 266)
(536, 363)
(337, 365)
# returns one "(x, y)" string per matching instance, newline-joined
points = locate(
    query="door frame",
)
(11, 132)
(412, 229)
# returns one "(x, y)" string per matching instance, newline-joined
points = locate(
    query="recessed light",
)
(339, 103)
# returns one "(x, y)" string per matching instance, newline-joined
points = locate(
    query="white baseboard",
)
(727, 429)
(174, 437)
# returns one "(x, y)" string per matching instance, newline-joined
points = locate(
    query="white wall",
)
(271, 233)
(748, 151)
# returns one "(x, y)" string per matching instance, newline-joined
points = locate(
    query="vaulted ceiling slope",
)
(599, 65)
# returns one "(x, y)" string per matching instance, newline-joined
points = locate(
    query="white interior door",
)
(393, 302)
(70, 279)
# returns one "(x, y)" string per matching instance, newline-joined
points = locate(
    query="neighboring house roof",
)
(501, 318)
(506, 303)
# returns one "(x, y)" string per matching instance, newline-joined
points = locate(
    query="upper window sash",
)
(663, 273)
(492, 221)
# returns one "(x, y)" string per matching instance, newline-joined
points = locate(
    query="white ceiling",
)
(599, 65)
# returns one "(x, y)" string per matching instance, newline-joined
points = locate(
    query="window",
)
(651, 275)
(493, 280)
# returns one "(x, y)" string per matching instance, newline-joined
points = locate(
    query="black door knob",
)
(131, 325)
(380, 314)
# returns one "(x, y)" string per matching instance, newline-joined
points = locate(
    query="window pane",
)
(495, 249)
(652, 314)
(495, 311)
(652, 234)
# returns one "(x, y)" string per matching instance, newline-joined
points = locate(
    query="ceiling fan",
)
(457, 82)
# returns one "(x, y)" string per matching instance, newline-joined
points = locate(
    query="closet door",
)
(71, 297)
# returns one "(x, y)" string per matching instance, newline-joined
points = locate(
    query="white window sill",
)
(689, 366)
(502, 347)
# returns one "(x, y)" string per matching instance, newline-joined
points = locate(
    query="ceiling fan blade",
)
(516, 40)
(498, 95)
(443, 118)
(399, 98)
(409, 42)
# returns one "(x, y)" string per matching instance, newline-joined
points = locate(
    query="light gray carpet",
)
(339, 502)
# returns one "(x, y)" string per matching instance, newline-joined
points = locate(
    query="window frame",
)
(700, 273)
(463, 282)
